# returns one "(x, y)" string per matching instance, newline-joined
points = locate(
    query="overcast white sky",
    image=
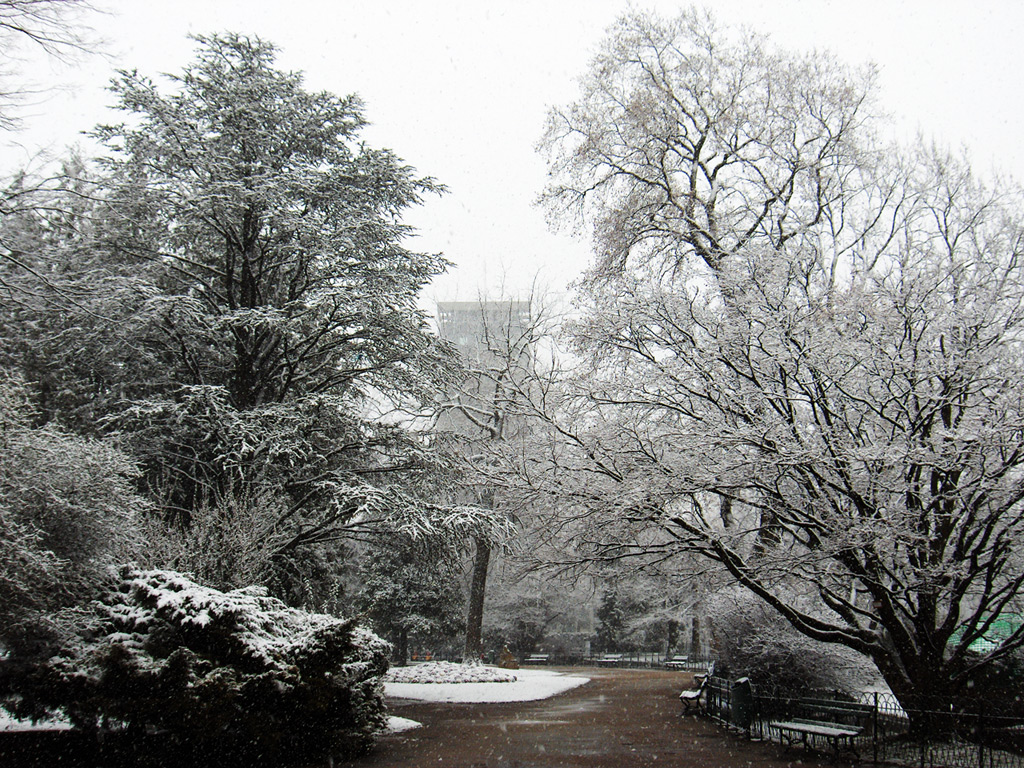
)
(459, 89)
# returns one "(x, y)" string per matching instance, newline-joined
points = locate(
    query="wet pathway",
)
(622, 718)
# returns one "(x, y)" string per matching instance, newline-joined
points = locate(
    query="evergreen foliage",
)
(411, 589)
(223, 673)
(229, 291)
(67, 511)
(281, 307)
(611, 623)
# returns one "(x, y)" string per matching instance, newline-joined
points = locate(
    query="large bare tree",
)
(801, 357)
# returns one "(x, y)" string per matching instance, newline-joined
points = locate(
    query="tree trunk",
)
(930, 712)
(473, 650)
(402, 648)
(923, 688)
(695, 648)
(725, 511)
(673, 638)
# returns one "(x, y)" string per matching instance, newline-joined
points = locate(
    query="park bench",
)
(537, 658)
(690, 697)
(837, 723)
(610, 658)
(678, 662)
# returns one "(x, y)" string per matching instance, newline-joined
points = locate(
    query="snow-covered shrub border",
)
(448, 672)
(223, 672)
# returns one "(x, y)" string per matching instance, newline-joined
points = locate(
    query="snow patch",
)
(448, 672)
(530, 685)
(399, 724)
(8, 723)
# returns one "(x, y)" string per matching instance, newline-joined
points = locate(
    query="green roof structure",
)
(1004, 625)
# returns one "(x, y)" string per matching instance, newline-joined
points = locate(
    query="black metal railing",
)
(939, 738)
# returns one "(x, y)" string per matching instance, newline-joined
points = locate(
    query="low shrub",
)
(222, 673)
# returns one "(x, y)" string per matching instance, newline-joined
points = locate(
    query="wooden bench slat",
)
(838, 735)
(818, 729)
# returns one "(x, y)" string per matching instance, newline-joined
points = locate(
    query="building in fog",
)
(495, 342)
(483, 330)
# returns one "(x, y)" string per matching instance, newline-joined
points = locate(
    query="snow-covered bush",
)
(67, 511)
(223, 672)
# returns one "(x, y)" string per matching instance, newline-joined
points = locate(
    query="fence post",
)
(981, 735)
(874, 731)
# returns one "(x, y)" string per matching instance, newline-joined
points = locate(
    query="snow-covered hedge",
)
(448, 672)
(231, 672)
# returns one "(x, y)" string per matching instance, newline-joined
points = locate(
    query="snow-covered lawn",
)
(448, 672)
(8, 723)
(529, 685)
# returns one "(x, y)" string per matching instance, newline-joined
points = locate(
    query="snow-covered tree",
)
(525, 616)
(648, 609)
(411, 590)
(272, 232)
(67, 511)
(753, 640)
(483, 415)
(282, 304)
(801, 355)
(611, 622)
(689, 140)
(238, 303)
(55, 27)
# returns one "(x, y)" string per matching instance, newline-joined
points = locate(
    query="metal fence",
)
(978, 739)
(642, 659)
(647, 660)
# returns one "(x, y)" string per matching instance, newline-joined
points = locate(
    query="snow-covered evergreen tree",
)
(231, 293)
(67, 511)
(411, 590)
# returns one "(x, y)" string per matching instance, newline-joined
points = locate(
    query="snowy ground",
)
(8, 723)
(448, 672)
(399, 724)
(529, 685)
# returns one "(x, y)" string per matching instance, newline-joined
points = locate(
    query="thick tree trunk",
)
(930, 711)
(923, 688)
(473, 650)
(673, 637)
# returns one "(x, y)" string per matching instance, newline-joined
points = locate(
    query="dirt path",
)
(622, 718)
